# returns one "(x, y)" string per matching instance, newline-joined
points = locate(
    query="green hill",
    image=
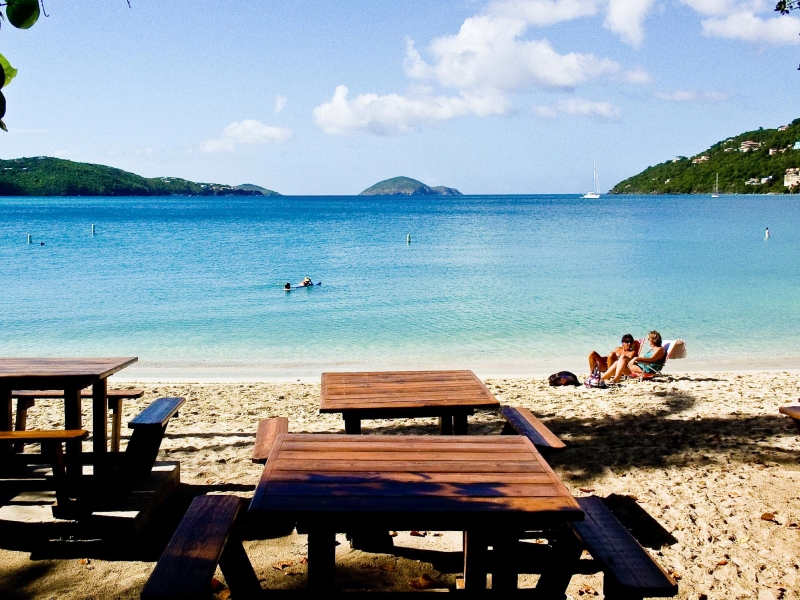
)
(740, 172)
(405, 186)
(44, 176)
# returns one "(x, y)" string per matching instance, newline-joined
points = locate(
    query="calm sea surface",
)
(498, 284)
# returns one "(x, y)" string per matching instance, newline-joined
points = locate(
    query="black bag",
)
(595, 381)
(563, 378)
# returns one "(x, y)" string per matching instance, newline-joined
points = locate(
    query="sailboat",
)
(715, 194)
(595, 193)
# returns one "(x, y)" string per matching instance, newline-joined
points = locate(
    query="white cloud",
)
(488, 54)
(393, 113)
(248, 131)
(280, 104)
(625, 17)
(545, 12)
(692, 96)
(727, 7)
(747, 26)
(579, 107)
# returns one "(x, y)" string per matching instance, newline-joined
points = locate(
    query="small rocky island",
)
(405, 186)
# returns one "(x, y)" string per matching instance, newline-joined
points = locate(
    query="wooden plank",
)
(267, 434)
(85, 393)
(34, 436)
(62, 367)
(157, 413)
(611, 544)
(416, 490)
(398, 444)
(188, 563)
(525, 423)
(321, 457)
(484, 441)
(790, 411)
(414, 466)
(372, 476)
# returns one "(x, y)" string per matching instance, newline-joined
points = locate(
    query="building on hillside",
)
(791, 178)
(783, 128)
(766, 179)
(748, 145)
(773, 151)
(796, 145)
(752, 181)
(678, 159)
(699, 159)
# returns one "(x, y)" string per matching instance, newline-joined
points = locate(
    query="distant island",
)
(45, 176)
(405, 186)
(755, 162)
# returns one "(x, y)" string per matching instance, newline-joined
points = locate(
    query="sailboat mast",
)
(596, 180)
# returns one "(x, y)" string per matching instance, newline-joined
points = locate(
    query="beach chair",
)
(674, 348)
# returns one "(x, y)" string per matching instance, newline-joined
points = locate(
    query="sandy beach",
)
(705, 455)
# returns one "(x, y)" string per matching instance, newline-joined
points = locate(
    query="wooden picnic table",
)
(450, 395)
(70, 375)
(490, 487)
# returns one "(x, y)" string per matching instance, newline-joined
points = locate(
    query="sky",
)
(317, 98)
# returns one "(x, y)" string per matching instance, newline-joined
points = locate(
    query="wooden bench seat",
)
(27, 399)
(52, 453)
(149, 427)
(202, 541)
(268, 431)
(629, 571)
(793, 412)
(523, 422)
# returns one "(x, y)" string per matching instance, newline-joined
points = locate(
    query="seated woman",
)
(652, 360)
(627, 349)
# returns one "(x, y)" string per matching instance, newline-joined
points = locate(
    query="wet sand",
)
(701, 465)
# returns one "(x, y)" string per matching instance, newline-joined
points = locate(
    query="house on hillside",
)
(749, 145)
(796, 145)
(699, 159)
(678, 159)
(783, 128)
(791, 178)
(766, 179)
(752, 181)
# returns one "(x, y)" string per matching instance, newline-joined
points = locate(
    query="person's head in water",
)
(288, 286)
(307, 281)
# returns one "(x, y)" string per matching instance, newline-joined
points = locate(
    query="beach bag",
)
(595, 381)
(563, 378)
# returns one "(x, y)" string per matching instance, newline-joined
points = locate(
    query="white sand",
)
(704, 454)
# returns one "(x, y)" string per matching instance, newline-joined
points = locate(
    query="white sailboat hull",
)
(591, 195)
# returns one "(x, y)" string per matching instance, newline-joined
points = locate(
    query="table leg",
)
(116, 422)
(567, 552)
(504, 570)
(475, 560)
(446, 425)
(5, 418)
(352, 425)
(460, 424)
(321, 560)
(72, 420)
(21, 420)
(100, 425)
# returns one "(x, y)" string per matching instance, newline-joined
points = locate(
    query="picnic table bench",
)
(27, 399)
(202, 541)
(449, 395)
(523, 422)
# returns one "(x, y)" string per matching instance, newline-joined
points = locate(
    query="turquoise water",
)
(498, 284)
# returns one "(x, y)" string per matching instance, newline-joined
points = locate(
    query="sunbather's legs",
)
(617, 370)
(595, 360)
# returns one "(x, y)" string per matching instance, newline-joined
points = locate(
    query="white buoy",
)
(29, 239)
(766, 234)
(408, 238)
(92, 228)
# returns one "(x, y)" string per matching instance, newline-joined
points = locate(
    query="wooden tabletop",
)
(414, 482)
(28, 373)
(402, 390)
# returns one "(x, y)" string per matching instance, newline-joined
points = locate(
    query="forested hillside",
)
(755, 168)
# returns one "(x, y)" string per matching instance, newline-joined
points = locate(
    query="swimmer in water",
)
(287, 287)
(307, 282)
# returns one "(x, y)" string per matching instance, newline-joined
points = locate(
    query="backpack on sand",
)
(595, 381)
(563, 378)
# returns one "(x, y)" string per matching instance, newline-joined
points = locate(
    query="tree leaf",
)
(22, 14)
(10, 71)
(3, 126)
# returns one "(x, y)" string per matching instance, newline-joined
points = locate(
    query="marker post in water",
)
(92, 228)
(766, 234)
(408, 238)
(30, 241)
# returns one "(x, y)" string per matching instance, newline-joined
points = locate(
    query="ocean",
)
(502, 285)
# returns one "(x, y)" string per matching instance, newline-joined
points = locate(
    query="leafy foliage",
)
(733, 166)
(44, 176)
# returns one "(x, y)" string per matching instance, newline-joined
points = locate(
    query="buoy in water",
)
(92, 228)
(29, 239)
(408, 238)
(766, 234)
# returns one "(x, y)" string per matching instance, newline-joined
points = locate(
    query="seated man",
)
(650, 361)
(628, 350)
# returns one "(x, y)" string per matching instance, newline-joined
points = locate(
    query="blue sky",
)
(506, 96)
